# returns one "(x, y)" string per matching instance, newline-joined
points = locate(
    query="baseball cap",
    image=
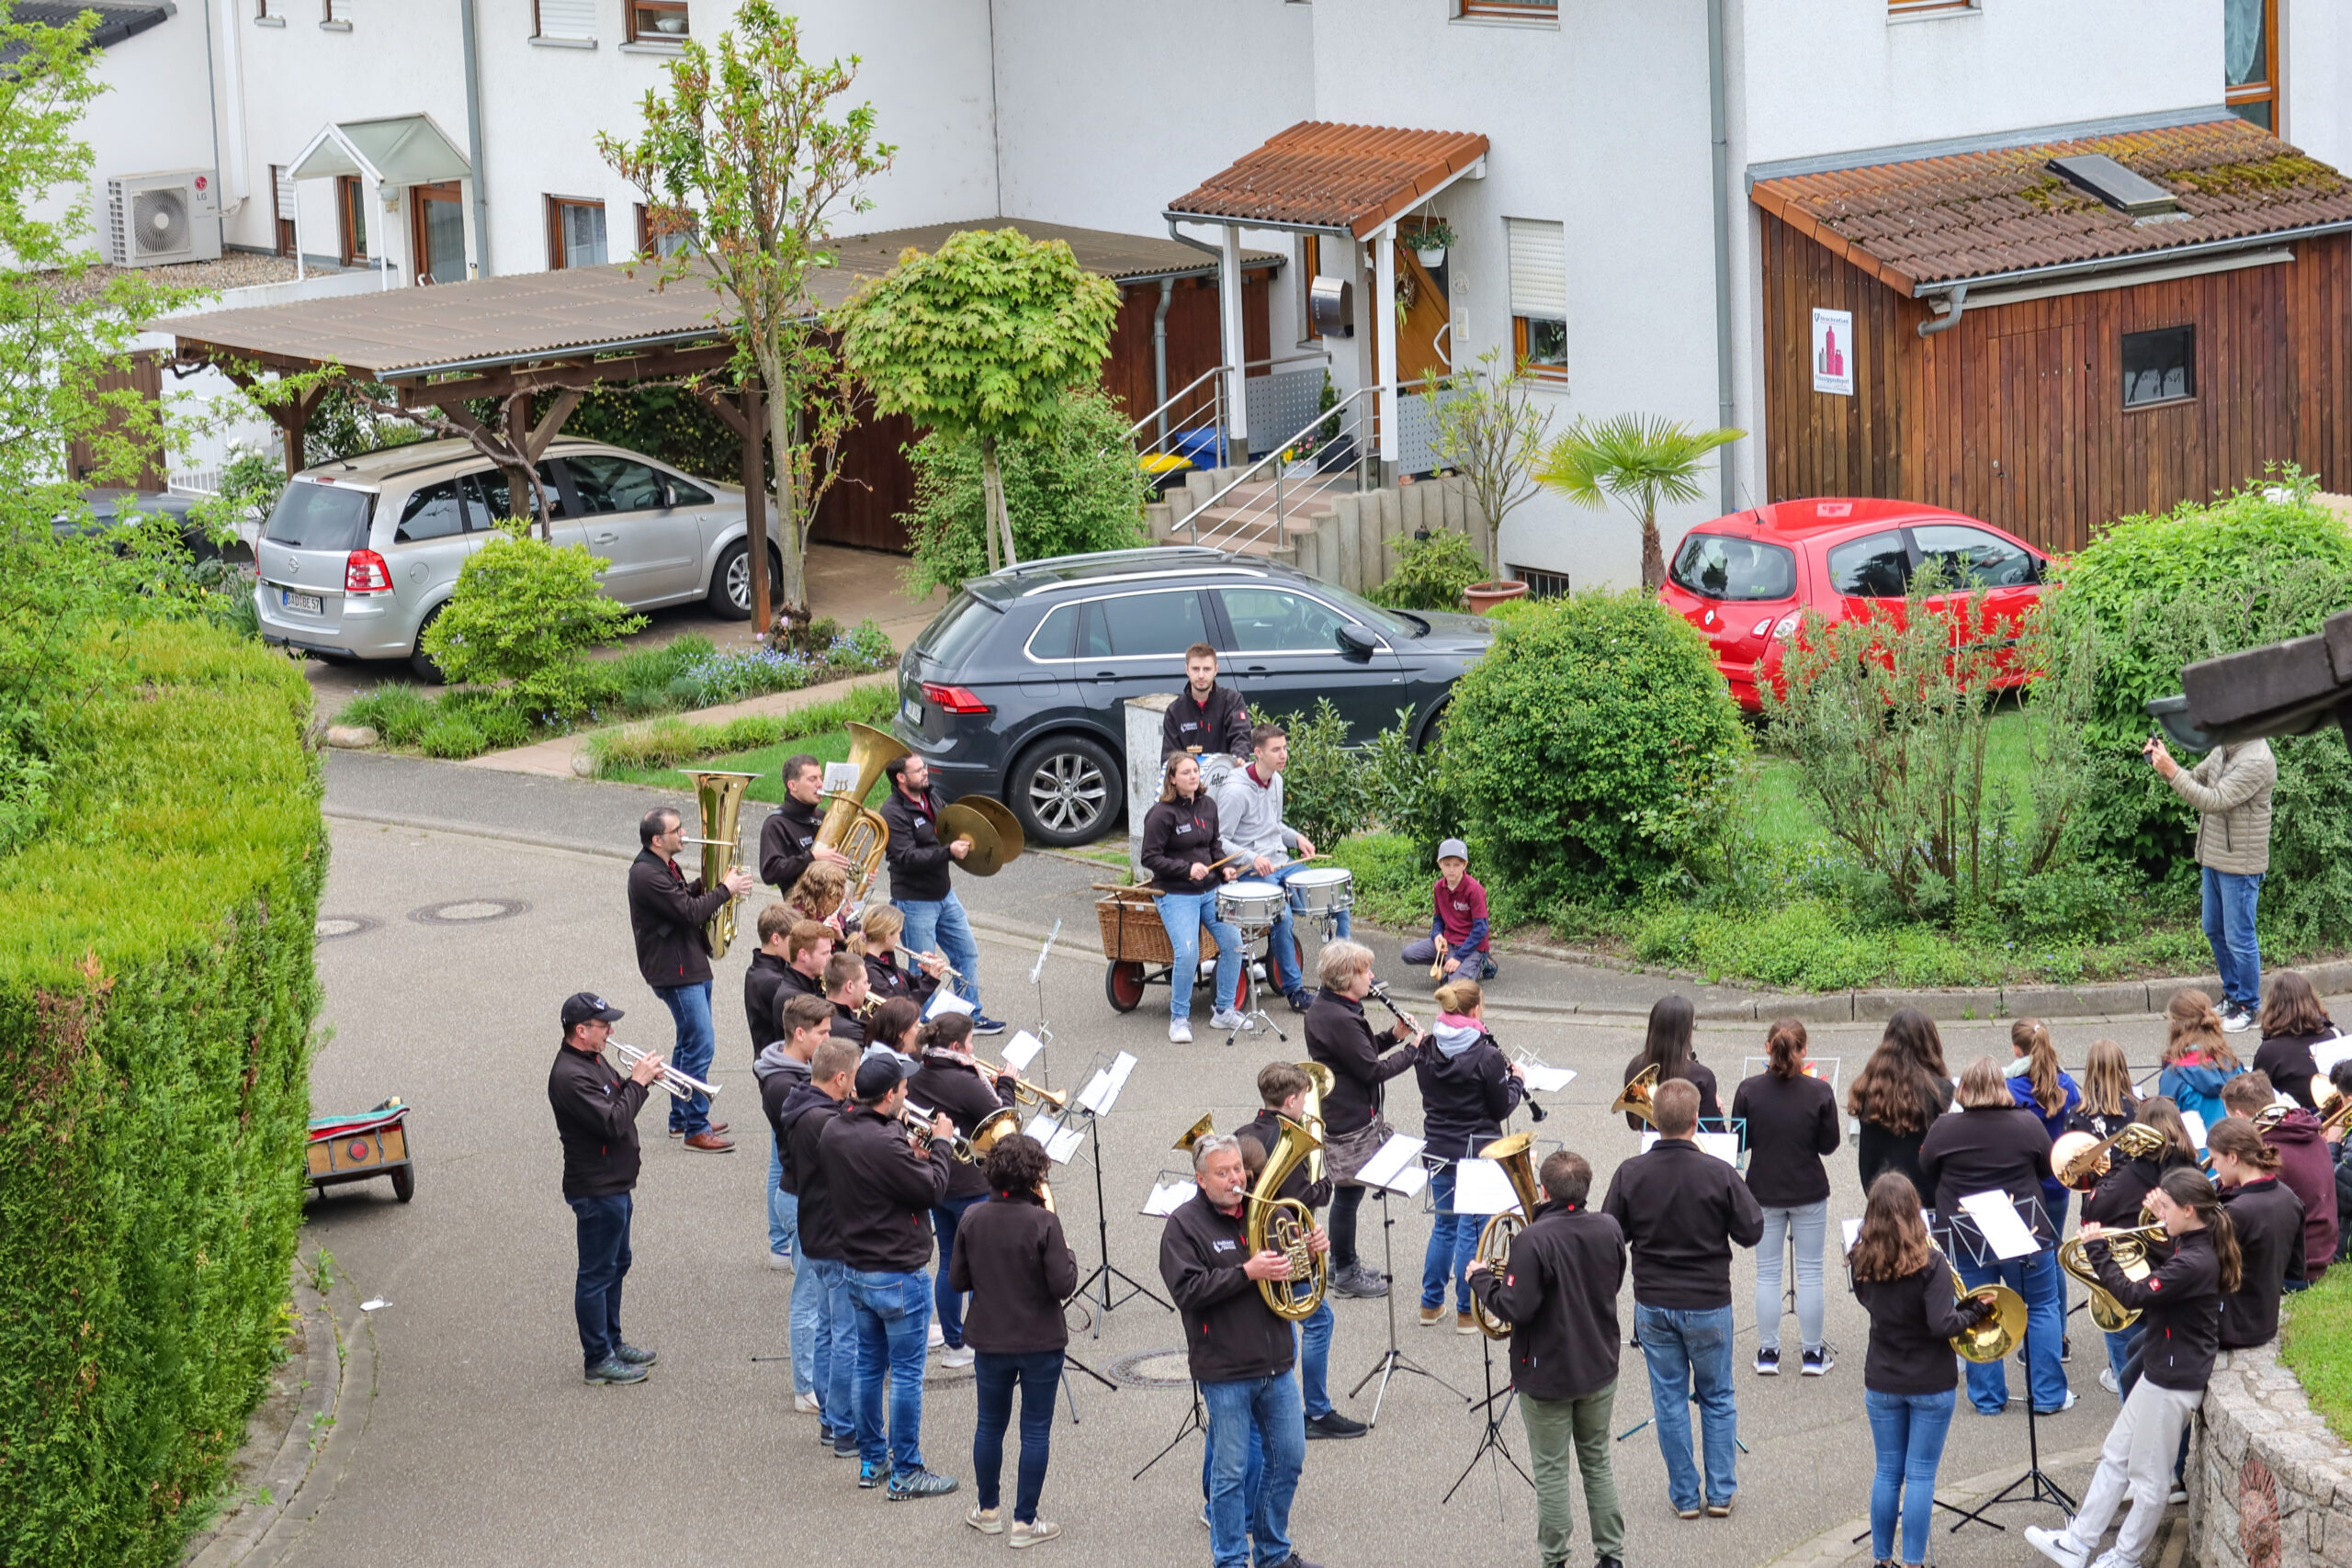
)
(878, 1076)
(581, 1005)
(1453, 849)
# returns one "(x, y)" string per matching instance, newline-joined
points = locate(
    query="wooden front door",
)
(437, 231)
(2034, 486)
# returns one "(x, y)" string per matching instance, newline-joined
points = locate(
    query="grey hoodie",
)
(1452, 1039)
(1250, 820)
(774, 1060)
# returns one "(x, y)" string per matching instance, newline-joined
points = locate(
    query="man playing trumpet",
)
(595, 1120)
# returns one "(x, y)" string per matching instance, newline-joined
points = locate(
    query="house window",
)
(1512, 10)
(575, 232)
(1310, 263)
(1539, 296)
(351, 215)
(568, 19)
(2159, 366)
(1915, 7)
(655, 21)
(335, 14)
(650, 243)
(2250, 60)
(282, 197)
(1539, 584)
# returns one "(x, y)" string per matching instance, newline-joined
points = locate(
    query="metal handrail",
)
(1136, 428)
(1283, 499)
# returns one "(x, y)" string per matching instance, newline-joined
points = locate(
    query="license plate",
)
(309, 604)
(913, 710)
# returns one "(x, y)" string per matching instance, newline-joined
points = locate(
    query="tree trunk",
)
(792, 587)
(999, 523)
(1652, 554)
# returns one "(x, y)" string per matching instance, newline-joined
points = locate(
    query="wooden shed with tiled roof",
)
(2052, 335)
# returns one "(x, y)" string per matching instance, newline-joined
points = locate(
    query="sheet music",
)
(945, 1000)
(2196, 1125)
(1853, 1229)
(1022, 1050)
(1170, 1195)
(1725, 1146)
(2004, 1230)
(1063, 1144)
(1391, 1160)
(1547, 1080)
(1481, 1188)
(1097, 1089)
(840, 778)
(2327, 1053)
(1043, 1127)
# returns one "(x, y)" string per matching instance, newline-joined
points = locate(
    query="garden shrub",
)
(398, 715)
(1393, 878)
(1325, 792)
(453, 737)
(1407, 789)
(1432, 571)
(1594, 747)
(522, 613)
(156, 999)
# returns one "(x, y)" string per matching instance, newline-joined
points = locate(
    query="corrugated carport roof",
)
(521, 318)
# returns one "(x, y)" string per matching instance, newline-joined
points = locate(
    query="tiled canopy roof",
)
(1931, 221)
(1318, 175)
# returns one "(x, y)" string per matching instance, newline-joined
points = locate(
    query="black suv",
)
(1018, 689)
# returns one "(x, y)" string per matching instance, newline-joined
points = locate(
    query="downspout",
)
(1719, 125)
(1958, 302)
(1159, 356)
(473, 135)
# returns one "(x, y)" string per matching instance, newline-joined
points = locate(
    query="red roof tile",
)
(1325, 175)
(1974, 215)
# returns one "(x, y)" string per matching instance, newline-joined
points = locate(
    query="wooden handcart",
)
(1139, 954)
(361, 1147)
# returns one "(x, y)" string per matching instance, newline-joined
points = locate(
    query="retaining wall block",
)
(2075, 1001)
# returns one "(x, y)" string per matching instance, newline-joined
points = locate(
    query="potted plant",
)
(1489, 428)
(1431, 241)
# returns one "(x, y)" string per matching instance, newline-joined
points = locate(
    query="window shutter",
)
(285, 192)
(568, 18)
(1539, 269)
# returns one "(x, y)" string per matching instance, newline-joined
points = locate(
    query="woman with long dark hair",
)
(2268, 1220)
(2179, 1302)
(1790, 1120)
(1901, 1089)
(1908, 1374)
(2292, 1022)
(1667, 1047)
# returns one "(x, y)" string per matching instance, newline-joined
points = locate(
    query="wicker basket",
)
(1132, 933)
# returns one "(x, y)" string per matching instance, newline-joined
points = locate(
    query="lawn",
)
(2316, 1342)
(766, 760)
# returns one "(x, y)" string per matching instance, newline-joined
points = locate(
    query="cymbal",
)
(1009, 836)
(961, 821)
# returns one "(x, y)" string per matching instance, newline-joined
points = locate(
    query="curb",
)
(1837, 1545)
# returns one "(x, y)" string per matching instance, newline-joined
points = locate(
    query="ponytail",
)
(2189, 1189)
(949, 1030)
(2237, 1137)
(2029, 1038)
(1784, 1047)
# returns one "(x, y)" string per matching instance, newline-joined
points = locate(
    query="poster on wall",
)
(1833, 352)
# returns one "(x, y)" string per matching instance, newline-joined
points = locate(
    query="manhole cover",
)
(467, 911)
(330, 927)
(1152, 1369)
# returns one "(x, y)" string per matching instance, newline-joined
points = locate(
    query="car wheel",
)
(730, 582)
(1065, 790)
(1430, 726)
(422, 662)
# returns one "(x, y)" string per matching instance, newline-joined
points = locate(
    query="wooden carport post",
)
(746, 416)
(292, 416)
(526, 440)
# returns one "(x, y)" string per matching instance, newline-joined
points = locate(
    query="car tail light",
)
(367, 572)
(952, 699)
(1786, 626)
(1760, 627)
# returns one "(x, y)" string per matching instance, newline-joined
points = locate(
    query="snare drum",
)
(1324, 890)
(1252, 905)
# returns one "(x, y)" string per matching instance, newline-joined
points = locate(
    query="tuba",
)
(1635, 1098)
(2130, 1250)
(1282, 1225)
(1997, 1336)
(720, 797)
(1194, 1133)
(2079, 1162)
(1310, 1113)
(1517, 1157)
(857, 831)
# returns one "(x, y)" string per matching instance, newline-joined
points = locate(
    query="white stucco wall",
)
(154, 114)
(2315, 42)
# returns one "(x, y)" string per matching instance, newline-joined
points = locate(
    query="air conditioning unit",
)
(156, 220)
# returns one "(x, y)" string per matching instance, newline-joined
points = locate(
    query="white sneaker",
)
(1180, 1032)
(804, 1404)
(2107, 1380)
(780, 1260)
(2176, 1497)
(1032, 1532)
(2235, 1021)
(2057, 1546)
(1227, 1020)
(2111, 1558)
(959, 1357)
(938, 1335)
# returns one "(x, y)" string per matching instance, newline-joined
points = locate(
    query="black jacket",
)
(1559, 1295)
(1220, 725)
(882, 1191)
(1980, 1149)
(761, 1001)
(2269, 1223)
(666, 912)
(1010, 1254)
(1912, 1321)
(2101, 1124)
(1790, 1125)
(1229, 1331)
(1464, 1097)
(886, 979)
(2115, 1202)
(595, 1120)
(1681, 1208)
(803, 1117)
(2287, 1059)
(965, 1096)
(1701, 1077)
(1878, 1151)
(917, 859)
(2180, 1307)
(785, 839)
(1340, 1037)
(1177, 836)
(1267, 1129)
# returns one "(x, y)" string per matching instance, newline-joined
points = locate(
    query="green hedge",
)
(156, 996)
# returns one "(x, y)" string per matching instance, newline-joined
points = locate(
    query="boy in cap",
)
(1457, 940)
(595, 1118)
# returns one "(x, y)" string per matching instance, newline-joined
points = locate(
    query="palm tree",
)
(1641, 459)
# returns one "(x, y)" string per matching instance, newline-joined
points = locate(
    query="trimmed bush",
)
(156, 997)
(521, 611)
(1594, 747)
(1432, 571)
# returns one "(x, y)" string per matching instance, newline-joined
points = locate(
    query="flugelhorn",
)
(2080, 1162)
(918, 1123)
(1516, 1155)
(682, 1086)
(1635, 1099)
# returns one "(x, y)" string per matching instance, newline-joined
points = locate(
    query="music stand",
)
(1963, 1230)
(1395, 1167)
(1195, 1420)
(1491, 1440)
(1038, 979)
(1094, 1102)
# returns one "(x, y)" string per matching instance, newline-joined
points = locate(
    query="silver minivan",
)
(361, 553)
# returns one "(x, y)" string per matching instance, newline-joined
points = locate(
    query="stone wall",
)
(2269, 1485)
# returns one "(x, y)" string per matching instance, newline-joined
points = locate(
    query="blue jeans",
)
(950, 1303)
(2230, 898)
(1809, 1224)
(1453, 1239)
(808, 1307)
(1315, 1359)
(1287, 966)
(832, 1346)
(603, 1264)
(1038, 1374)
(937, 925)
(690, 1010)
(1183, 914)
(784, 1209)
(1908, 1430)
(1253, 1475)
(1688, 1351)
(1271, 1405)
(893, 1313)
(2035, 1279)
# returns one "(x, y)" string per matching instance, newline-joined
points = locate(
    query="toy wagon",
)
(361, 1147)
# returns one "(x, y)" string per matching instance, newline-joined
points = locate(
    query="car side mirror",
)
(1356, 642)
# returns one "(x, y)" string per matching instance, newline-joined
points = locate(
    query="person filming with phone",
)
(2231, 790)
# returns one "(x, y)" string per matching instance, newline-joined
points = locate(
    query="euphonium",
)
(858, 832)
(1517, 1157)
(2080, 1163)
(1284, 1224)
(720, 797)
(1997, 1336)
(2129, 1248)
(1319, 1083)
(1636, 1095)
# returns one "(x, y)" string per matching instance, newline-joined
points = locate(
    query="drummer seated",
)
(1250, 815)
(1457, 920)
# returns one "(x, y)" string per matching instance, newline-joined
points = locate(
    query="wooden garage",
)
(2051, 336)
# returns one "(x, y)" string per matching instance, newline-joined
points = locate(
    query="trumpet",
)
(1025, 1092)
(920, 1133)
(682, 1086)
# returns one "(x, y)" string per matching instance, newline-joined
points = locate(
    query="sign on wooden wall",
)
(1833, 352)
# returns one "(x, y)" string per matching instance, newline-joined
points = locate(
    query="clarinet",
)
(1527, 1095)
(1380, 990)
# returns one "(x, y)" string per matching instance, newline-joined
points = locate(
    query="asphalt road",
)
(484, 1447)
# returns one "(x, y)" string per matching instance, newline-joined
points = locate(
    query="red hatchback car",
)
(1746, 579)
